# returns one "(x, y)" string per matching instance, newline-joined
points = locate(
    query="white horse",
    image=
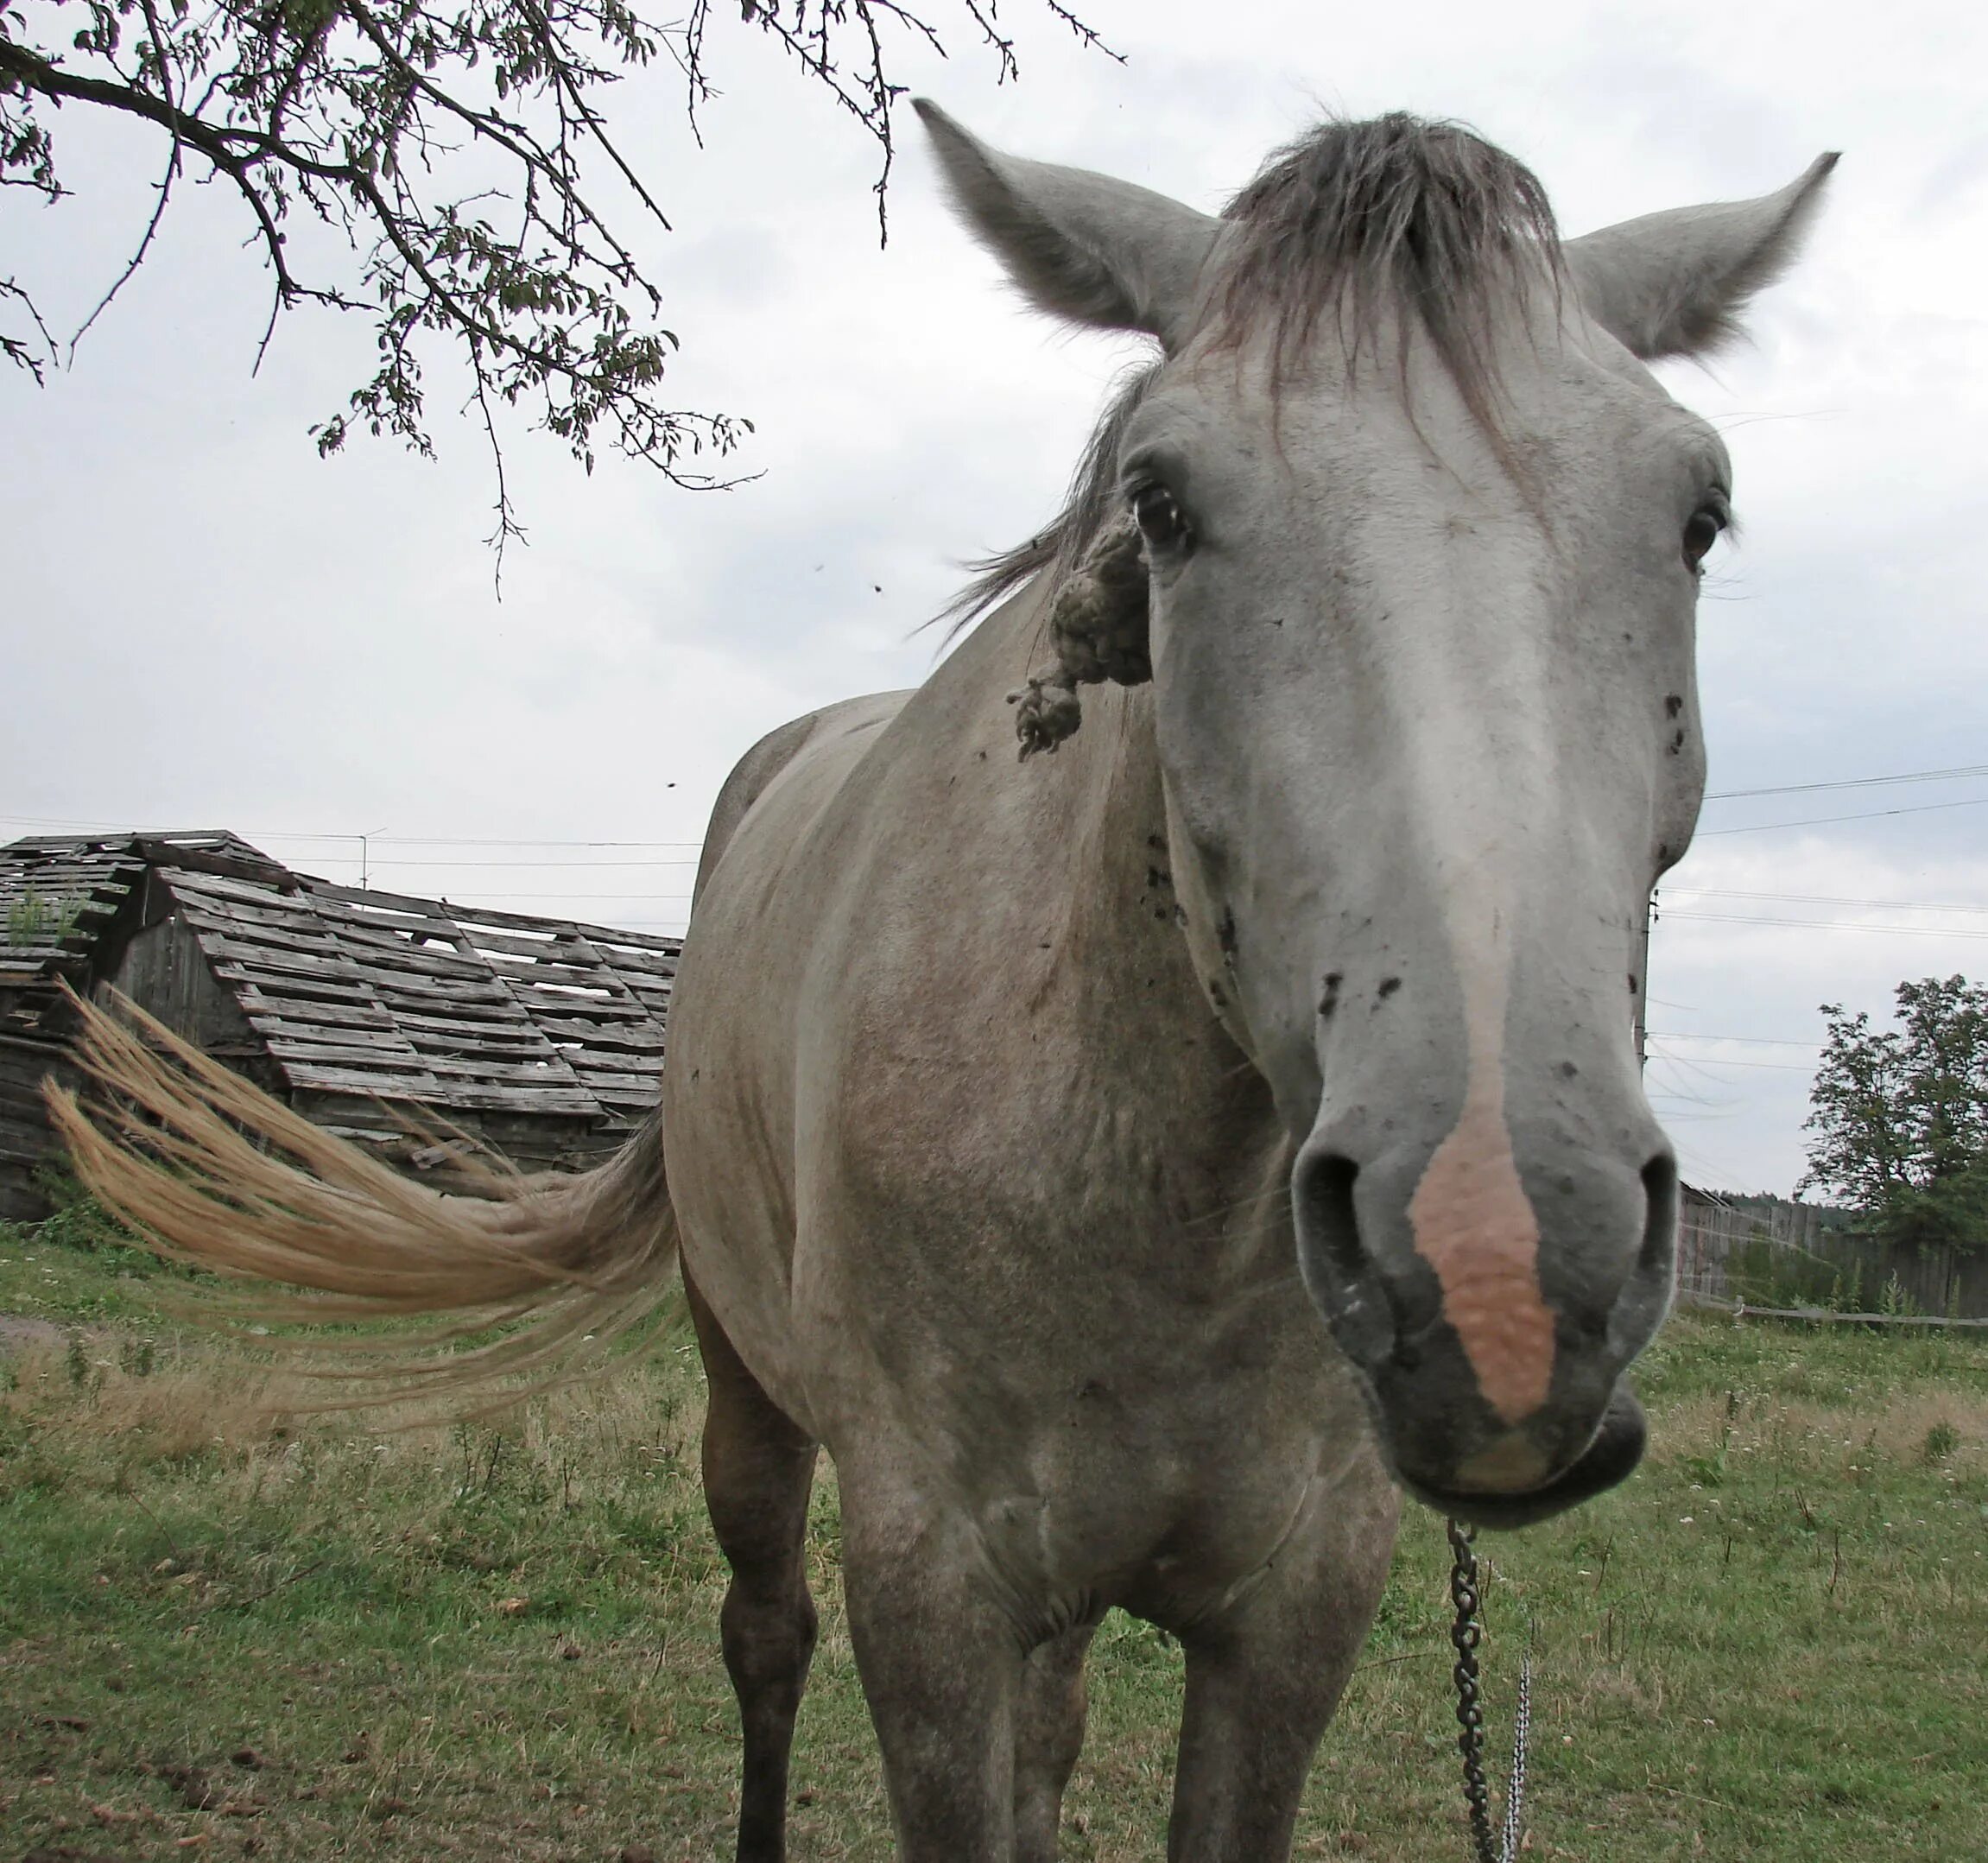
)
(1134, 1165)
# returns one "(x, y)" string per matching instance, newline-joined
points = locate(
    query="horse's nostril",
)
(1660, 1212)
(1354, 1299)
(1327, 1196)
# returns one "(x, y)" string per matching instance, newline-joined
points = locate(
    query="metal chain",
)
(1465, 1633)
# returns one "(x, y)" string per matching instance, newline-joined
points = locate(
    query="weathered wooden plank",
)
(495, 1019)
(548, 1007)
(279, 1037)
(338, 1012)
(221, 888)
(256, 989)
(40, 876)
(618, 1080)
(553, 1074)
(613, 950)
(385, 1086)
(357, 934)
(575, 1099)
(401, 1008)
(552, 1069)
(459, 938)
(549, 969)
(278, 947)
(179, 858)
(368, 946)
(631, 1099)
(635, 1035)
(400, 1063)
(594, 1065)
(469, 918)
(524, 1044)
(274, 911)
(344, 968)
(307, 944)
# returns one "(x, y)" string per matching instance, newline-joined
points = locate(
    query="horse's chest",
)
(1165, 1500)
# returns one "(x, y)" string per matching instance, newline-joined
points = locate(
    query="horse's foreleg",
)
(941, 1666)
(1264, 1677)
(1048, 1735)
(758, 1469)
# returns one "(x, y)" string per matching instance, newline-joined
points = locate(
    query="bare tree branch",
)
(381, 121)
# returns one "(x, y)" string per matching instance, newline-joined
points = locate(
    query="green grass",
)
(499, 1642)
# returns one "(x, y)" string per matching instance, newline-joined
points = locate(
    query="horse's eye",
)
(1702, 531)
(1160, 519)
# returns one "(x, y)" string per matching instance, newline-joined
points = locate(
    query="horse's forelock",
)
(1359, 221)
(1371, 221)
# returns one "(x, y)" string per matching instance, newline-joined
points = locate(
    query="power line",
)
(1758, 1041)
(495, 899)
(1902, 931)
(541, 866)
(99, 826)
(1825, 899)
(1952, 775)
(470, 841)
(1868, 814)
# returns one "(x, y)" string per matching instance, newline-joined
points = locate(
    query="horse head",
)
(1407, 539)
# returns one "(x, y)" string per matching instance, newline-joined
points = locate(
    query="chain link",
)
(1465, 1633)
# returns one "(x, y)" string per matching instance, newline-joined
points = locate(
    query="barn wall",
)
(163, 970)
(25, 1138)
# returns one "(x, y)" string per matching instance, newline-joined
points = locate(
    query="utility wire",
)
(1758, 1041)
(1726, 1061)
(1952, 774)
(100, 826)
(1822, 899)
(1868, 814)
(1901, 931)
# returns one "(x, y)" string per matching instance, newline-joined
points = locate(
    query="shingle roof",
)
(354, 991)
(58, 893)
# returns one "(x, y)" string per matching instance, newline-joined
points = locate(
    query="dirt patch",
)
(17, 1330)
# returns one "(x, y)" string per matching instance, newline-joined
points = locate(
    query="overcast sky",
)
(204, 626)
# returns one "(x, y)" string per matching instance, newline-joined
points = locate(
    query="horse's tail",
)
(217, 1174)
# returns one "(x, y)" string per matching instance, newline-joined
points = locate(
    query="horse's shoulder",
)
(781, 748)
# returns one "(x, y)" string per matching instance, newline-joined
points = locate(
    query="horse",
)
(1139, 1162)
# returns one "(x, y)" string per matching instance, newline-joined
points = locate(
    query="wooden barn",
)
(541, 1038)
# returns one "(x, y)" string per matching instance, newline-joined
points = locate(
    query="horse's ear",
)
(1673, 284)
(1082, 245)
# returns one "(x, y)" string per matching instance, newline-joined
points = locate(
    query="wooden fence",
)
(1769, 1253)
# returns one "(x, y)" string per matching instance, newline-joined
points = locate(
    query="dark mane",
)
(1092, 495)
(1361, 222)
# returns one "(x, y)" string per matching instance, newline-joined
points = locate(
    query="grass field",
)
(226, 1633)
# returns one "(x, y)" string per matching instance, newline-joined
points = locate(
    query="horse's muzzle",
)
(1493, 1364)
(1617, 1448)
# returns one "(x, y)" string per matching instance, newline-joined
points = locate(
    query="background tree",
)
(1899, 1116)
(457, 154)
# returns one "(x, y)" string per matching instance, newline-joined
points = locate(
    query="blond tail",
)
(218, 1175)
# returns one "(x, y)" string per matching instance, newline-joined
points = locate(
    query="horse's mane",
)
(1392, 216)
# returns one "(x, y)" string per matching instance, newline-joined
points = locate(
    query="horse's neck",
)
(1124, 982)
